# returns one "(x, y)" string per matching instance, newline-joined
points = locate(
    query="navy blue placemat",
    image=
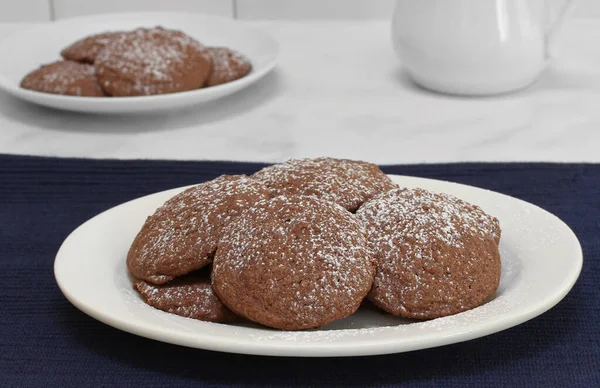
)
(45, 341)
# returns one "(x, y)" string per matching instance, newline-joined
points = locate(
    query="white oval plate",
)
(541, 260)
(26, 51)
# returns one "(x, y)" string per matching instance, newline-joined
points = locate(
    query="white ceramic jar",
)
(473, 47)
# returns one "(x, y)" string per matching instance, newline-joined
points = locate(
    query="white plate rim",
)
(297, 348)
(139, 103)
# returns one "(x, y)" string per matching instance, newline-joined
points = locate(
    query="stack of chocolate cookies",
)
(300, 244)
(142, 62)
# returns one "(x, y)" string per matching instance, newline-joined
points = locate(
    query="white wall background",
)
(44, 10)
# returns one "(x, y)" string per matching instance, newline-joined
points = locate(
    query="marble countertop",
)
(343, 97)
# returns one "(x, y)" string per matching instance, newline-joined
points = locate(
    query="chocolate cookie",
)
(152, 61)
(293, 263)
(348, 183)
(182, 235)
(436, 254)
(189, 296)
(228, 65)
(87, 49)
(64, 77)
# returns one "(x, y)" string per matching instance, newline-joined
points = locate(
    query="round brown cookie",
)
(228, 65)
(189, 296)
(293, 263)
(152, 61)
(182, 235)
(348, 183)
(87, 49)
(436, 254)
(64, 77)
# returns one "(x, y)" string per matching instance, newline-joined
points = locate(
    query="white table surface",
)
(339, 91)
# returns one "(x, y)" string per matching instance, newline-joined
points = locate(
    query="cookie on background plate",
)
(436, 254)
(152, 61)
(227, 65)
(182, 235)
(293, 263)
(348, 183)
(189, 296)
(87, 49)
(64, 77)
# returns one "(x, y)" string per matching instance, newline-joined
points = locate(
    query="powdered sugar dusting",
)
(346, 182)
(152, 60)
(63, 77)
(426, 216)
(228, 65)
(416, 236)
(299, 261)
(88, 48)
(189, 296)
(176, 298)
(182, 234)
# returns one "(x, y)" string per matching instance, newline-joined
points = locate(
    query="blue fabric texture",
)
(45, 341)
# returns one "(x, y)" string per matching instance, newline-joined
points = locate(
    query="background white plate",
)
(541, 260)
(26, 51)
